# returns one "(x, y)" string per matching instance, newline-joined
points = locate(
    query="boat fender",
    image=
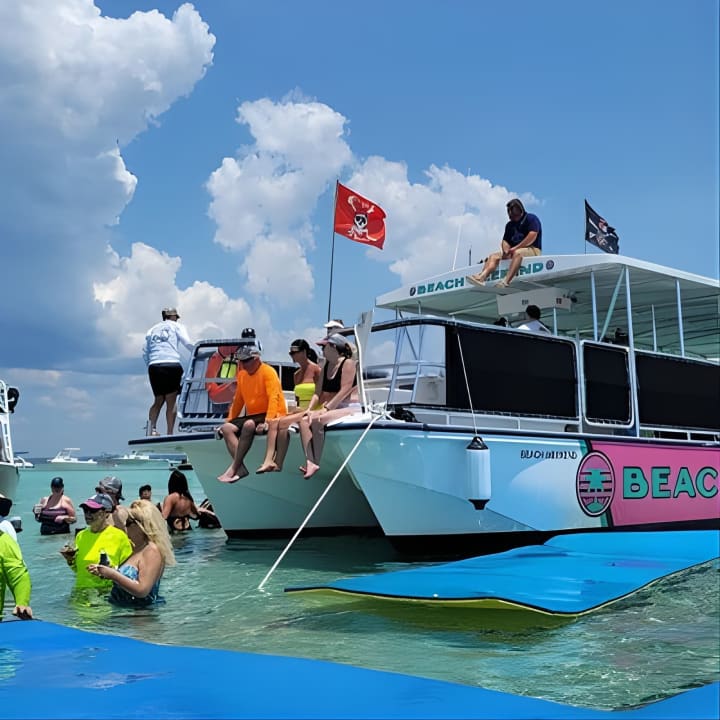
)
(478, 473)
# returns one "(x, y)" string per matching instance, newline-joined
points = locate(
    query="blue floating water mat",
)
(51, 671)
(567, 576)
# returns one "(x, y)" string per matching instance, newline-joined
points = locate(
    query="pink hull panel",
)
(645, 484)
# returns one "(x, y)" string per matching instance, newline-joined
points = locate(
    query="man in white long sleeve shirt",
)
(162, 357)
(532, 320)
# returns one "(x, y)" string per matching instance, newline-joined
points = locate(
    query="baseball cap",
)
(170, 311)
(112, 484)
(99, 501)
(246, 352)
(335, 339)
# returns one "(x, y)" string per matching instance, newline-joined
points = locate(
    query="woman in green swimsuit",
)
(278, 437)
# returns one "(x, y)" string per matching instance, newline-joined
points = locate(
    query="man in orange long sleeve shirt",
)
(258, 391)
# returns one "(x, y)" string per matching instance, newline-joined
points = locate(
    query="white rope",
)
(467, 384)
(317, 504)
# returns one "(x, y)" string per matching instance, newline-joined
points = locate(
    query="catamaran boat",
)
(66, 458)
(9, 471)
(258, 505)
(476, 436)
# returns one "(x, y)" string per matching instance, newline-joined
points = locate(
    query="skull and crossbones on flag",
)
(359, 219)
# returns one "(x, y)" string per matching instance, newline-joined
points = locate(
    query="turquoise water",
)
(659, 642)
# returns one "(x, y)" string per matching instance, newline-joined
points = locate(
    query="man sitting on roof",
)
(522, 238)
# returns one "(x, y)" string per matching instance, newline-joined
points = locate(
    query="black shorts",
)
(238, 422)
(165, 378)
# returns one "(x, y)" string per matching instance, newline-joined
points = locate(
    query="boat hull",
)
(418, 482)
(272, 504)
(9, 478)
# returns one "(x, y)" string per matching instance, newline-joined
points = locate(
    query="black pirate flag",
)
(599, 233)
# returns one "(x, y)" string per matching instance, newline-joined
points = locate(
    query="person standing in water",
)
(136, 582)
(55, 512)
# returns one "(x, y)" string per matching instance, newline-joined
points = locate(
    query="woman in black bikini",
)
(179, 507)
(335, 394)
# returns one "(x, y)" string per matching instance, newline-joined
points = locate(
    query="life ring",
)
(222, 364)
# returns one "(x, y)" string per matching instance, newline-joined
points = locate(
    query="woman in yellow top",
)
(305, 378)
(98, 538)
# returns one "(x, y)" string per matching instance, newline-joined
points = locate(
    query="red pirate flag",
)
(359, 219)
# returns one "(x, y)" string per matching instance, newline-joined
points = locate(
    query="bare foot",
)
(270, 467)
(312, 468)
(225, 478)
(476, 280)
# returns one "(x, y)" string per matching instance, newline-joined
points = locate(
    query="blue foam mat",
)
(568, 575)
(51, 671)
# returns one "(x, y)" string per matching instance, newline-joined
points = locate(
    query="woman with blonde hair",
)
(136, 583)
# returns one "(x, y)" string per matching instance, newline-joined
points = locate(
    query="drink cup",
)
(68, 550)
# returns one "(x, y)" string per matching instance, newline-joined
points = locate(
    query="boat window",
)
(607, 383)
(512, 372)
(676, 392)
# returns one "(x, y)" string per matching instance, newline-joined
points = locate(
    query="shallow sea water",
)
(661, 641)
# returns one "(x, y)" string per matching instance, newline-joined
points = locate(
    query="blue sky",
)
(156, 153)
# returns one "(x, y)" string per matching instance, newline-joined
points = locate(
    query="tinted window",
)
(678, 393)
(607, 383)
(522, 373)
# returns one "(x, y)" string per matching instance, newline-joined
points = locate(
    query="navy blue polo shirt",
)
(516, 230)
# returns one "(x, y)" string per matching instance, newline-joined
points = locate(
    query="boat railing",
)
(417, 382)
(209, 383)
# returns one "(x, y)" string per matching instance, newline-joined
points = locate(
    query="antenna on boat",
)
(460, 226)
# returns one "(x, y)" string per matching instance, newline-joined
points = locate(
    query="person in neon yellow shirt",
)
(98, 536)
(14, 574)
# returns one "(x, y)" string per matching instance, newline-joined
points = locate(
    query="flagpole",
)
(332, 251)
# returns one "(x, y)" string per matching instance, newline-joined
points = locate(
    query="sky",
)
(158, 153)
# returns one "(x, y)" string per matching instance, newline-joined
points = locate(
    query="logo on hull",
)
(595, 484)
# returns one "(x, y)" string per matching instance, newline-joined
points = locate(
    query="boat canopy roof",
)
(583, 296)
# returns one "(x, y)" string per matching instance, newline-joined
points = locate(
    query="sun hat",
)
(57, 482)
(170, 311)
(99, 501)
(246, 352)
(336, 340)
(112, 484)
(334, 325)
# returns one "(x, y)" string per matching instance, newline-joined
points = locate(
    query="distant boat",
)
(21, 462)
(137, 460)
(66, 457)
